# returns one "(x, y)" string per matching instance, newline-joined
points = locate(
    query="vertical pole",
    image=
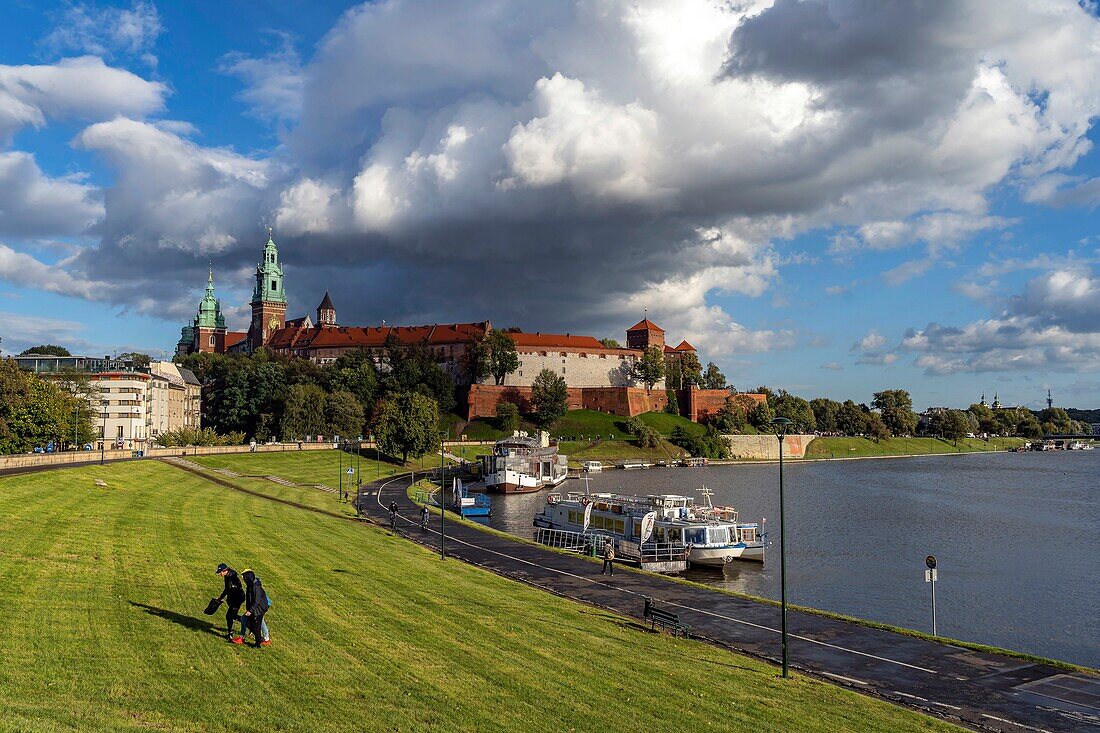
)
(782, 560)
(933, 572)
(442, 503)
(341, 471)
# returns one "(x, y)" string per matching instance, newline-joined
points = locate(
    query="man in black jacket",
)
(233, 595)
(256, 605)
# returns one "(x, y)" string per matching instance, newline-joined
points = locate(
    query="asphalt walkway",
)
(977, 689)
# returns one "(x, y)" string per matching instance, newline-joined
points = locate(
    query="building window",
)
(274, 284)
(119, 431)
(211, 339)
(521, 372)
(563, 370)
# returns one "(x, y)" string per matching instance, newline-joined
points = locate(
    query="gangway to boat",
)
(660, 557)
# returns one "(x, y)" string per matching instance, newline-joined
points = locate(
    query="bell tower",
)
(268, 297)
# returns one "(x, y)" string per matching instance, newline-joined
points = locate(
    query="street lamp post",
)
(781, 425)
(442, 501)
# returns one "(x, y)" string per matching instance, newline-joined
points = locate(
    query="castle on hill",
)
(599, 376)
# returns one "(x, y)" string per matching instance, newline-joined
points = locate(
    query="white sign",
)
(350, 471)
(647, 526)
(587, 516)
(929, 576)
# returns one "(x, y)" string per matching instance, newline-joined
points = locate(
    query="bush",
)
(708, 445)
(183, 437)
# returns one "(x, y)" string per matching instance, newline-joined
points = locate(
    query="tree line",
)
(35, 412)
(889, 414)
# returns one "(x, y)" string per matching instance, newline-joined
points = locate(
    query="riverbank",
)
(360, 621)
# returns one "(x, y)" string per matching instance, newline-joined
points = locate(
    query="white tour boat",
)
(522, 464)
(591, 466)
(713, 535)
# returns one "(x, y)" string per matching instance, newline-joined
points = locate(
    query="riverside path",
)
(981, 690)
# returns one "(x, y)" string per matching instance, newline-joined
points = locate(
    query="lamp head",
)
(780, 425)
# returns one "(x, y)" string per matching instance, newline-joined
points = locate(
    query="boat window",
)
(674, 535)
(619, 527)
(748, 534)
(695, 536)
(574, 517)
(719, 535)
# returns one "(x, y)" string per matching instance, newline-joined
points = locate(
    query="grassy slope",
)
(101, 590)
(859, 447)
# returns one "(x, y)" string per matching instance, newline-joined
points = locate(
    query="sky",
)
(832, 197)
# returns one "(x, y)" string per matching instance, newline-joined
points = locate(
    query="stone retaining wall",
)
(766, 447)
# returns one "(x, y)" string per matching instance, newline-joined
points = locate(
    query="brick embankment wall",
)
(700, 405)
(482, 399)
(766, 447)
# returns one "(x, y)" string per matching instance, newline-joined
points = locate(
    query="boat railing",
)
(653, 551)
(563, 539)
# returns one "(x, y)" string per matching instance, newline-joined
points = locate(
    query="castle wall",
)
(579, 368)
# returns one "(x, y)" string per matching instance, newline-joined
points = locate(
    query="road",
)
(980, 690)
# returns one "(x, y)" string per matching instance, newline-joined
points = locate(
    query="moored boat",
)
(712, 535)
(591, 466)
(522, 464)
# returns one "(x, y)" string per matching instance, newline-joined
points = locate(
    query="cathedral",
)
(208, 332)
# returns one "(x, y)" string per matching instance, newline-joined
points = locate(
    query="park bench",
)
(660, 617)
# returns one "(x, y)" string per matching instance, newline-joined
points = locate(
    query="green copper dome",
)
(210, 310)
(269, 276)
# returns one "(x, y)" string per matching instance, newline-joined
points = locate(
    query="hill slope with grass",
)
(102, 590)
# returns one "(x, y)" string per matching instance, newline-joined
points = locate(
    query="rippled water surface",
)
(1017, 537)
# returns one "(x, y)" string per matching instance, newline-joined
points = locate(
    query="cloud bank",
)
(564, 165)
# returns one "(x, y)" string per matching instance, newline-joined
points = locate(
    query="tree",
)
(644, 435)
(477, 363)
(826, 412)
(611, 343)
(761, 416)
(797, 410)
(550, 396)
(503, 359)
(415, 369)
(47, 350)
(650, 369)
(732, 418)
(354, 372)
(343, 414)
(709, 444)
(690, 370)
(713, 378)
(896, 407)
(507, 416)
(876, 427)
(35, 412)
(851, 419)
(303, 413)
(407, 424)
(985, 416)
(951, 424)
(672, 405)
(139, 359)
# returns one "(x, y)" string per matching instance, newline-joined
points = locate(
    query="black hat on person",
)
(222, 567)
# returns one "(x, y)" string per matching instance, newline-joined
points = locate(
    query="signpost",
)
(930, 577)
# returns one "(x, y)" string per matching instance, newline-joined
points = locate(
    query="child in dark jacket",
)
(256, 604)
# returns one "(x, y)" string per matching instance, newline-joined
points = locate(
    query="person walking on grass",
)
(608, 559)
(256, 605)
(233, 595)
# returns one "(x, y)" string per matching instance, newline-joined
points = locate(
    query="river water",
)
(1017, 536)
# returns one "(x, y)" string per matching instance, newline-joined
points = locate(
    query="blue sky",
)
(833, 217)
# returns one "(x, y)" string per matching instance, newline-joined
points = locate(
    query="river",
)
(1017, 536)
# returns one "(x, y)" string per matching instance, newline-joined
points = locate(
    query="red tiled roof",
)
(297, 337)
(684, 346)
(234, 337)
(645, 325)
(551, 340)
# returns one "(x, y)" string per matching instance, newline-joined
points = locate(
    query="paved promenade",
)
(976, 689)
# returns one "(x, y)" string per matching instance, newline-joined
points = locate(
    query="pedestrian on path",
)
(256, 605)
(393, 516)
(423, 517)
(608, 559)
(233, 595)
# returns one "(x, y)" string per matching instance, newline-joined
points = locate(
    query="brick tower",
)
(645, 333)
(268, 298)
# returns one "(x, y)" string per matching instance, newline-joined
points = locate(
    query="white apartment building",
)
(124, 399)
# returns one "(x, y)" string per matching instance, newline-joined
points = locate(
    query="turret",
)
(326, 312)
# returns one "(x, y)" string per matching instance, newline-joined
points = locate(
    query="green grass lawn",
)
(860, 447)
(101, 591)
(612, 451)
(314, 467)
